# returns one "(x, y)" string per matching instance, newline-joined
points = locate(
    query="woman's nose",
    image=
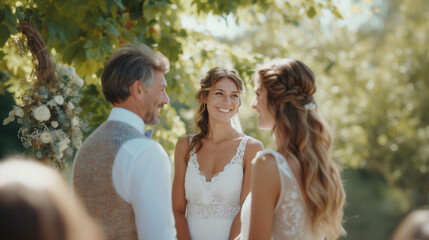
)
(228, 99)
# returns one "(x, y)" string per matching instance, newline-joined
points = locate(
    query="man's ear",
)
(136, 89)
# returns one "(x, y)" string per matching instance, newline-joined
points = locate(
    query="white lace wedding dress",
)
(212, 205)
(291, 219)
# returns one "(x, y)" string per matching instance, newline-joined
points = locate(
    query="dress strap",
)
(241, 148)
(191, 136)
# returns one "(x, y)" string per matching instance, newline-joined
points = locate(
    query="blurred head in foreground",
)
(415, 226)
(36, 203)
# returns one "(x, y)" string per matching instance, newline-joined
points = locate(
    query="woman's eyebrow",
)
(219, 89)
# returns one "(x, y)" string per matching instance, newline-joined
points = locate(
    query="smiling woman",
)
(223, 100)
(212, 167)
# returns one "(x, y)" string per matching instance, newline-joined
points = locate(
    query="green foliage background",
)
(373, 84)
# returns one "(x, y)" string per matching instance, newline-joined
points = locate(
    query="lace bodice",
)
(291, 219)
(215, 201)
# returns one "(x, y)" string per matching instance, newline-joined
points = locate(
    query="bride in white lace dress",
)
(296, 191)
(212, 167)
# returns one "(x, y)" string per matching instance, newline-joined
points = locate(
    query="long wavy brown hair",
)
(201, 117)
(306, 138)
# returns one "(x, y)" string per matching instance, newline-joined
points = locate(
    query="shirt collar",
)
(126, 116)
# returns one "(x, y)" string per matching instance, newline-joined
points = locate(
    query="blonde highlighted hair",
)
(201, 117)
(290, 86)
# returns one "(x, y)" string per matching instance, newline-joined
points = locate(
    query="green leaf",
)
(56, 33)
(112, 29)
(311, 12)
(91, 54)
(70, 53)
(89, 44)
(20, 13)
(99, 52)
(119, 3)
(106, 46)
(149, 13)
(36, 19)
(101, 22)
(10, 20)
(109, 5)
(4, 35)
(1, 15)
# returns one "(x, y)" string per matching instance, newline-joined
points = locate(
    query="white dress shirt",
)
(141, 176)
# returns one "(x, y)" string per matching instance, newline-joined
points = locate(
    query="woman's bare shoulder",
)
(182, 146)
(183, 141)
(254, 145)
(253, 142)
(265, 161)
(264, 168)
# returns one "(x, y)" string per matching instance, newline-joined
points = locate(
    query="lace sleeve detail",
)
(291, 206)
(290, 216)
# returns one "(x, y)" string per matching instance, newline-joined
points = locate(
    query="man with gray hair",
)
(122, 176)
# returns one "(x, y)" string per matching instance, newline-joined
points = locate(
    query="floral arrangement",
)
(49, 118)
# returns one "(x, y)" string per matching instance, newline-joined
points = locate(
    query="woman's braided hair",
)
(290, 86)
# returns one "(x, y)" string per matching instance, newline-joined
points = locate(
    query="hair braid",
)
(290, 86)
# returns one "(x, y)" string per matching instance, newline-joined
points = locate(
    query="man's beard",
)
(152, 117)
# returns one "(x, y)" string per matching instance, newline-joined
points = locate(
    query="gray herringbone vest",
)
(92, 179)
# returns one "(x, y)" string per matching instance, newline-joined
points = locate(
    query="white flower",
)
(76, 132)
(59, 100)
(46, 137)
(12, 113)
(76, 142)
(6, 121)
(54, 124)
(19, 112)
(69, 151)
(26, 144)
(68, 91)
(75, 121)
(63, 144)
(59, 133)
(79, 82)
(70, 105)
(310, 106)
(51, 103)
(41, 113)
